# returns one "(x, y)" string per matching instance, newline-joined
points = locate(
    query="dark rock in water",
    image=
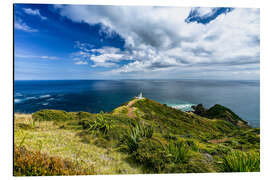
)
(199, 110)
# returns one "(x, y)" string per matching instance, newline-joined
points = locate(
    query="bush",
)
(34, 163)
(238, 161)
(192, 144)
(129, 142)
(143, 130)
(51, 115)
(170, 136)
(151, 156)
(102, 124)
(178, 152)
(84, 115)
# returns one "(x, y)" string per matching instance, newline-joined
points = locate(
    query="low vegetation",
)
(35, 163)
(238, 161)
(155, 139)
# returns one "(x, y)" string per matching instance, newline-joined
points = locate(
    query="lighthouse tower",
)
(139, 96)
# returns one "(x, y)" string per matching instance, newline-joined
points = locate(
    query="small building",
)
(139, 96)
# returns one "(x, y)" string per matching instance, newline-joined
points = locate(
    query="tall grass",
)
(131, 140)
(238, 161)
(101, 124)
(142, 130)
(23, 139)
(178, 152)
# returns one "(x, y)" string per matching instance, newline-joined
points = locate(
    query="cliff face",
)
(160, 139)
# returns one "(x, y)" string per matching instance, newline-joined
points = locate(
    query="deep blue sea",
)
(242, 97)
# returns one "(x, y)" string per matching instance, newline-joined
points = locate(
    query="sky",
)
(53, 42)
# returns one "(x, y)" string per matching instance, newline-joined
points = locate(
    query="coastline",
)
(81, 137)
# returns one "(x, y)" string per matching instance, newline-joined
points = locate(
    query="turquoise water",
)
(242, 97)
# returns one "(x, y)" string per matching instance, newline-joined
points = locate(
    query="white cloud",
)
(81, 62)
(20, 25)
(34, 12)
(103, 57)
(38, 57)
(159, 39)
(49, 57)
(202, 11)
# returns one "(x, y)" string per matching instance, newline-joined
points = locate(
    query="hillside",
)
(141, 136)
(220, 112)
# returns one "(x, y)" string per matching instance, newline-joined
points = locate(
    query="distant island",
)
(140, 136)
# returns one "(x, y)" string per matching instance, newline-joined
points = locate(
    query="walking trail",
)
(130, 108)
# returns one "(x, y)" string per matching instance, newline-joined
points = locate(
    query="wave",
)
(45, 96)
(45, 104)
(183, 107)
(18, 100)
(18, 94)
(32, 97)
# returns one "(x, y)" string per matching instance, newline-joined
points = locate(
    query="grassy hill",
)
(141, 136)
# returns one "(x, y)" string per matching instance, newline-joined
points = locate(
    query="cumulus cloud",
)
(34, 12)
(102, 57)
(160, 39)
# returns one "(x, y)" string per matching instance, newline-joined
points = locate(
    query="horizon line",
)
(132, 79)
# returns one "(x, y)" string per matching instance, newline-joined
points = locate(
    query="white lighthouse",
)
(139, 96)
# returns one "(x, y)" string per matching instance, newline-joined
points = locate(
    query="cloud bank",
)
(159, 40)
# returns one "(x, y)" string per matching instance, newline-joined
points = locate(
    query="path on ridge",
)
(130, 108)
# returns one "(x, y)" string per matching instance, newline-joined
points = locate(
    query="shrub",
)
(192, 144)
(170, 136)
(102, 124)
(151, 156)
(178, 152)
(51, 115)
(129, 142)
(238, 161)
(34, 163)
(143, 130)
(83, 115)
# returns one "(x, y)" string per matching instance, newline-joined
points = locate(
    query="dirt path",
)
(130, 108)
(130, 112)
(215, 141)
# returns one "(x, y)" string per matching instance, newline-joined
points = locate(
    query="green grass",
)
(52, 115)
(101, 124)
(179, 152)
(66, 143)
(155, 139)
(178, 122)
(238, 161)
(129, 141)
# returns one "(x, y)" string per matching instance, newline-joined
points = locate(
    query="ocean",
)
(242, 97)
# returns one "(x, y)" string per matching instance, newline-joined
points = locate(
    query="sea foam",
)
(18, 100)
(45, 96)
(184, 107)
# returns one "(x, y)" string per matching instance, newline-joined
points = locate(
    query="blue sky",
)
(125, 42)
